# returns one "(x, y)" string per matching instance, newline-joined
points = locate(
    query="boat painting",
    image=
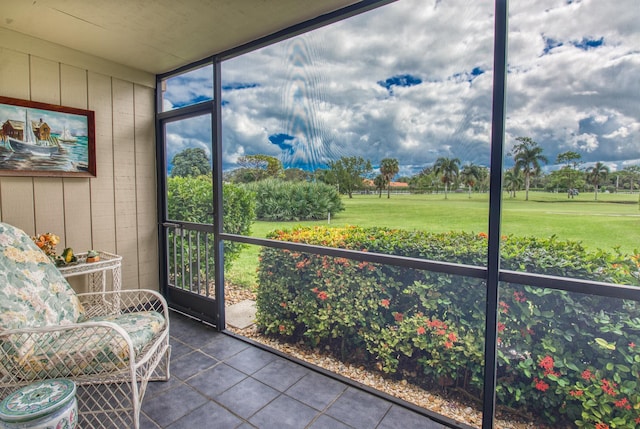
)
(30, 144)
(38, 139)
(66, 136)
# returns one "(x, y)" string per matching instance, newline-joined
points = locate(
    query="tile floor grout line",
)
(326, 408)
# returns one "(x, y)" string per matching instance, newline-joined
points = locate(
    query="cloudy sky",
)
(412, 81)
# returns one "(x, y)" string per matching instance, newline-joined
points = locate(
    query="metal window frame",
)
(492, 274)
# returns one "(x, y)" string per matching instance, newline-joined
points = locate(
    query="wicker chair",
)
(110, 343)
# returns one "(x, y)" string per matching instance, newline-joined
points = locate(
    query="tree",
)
(388, 168)
(570, 158)
(527, 155)
(596, 175)
(190, 162)
(380, 182)
(569, 172)
(423, 181)
(633, 174)
(348, 172)
(259, 167)
(447, 169)
(470, 174)
(513, 181)
(322, 175)
(297, 175)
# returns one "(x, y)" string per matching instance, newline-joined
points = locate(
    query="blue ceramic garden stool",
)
(49, 404)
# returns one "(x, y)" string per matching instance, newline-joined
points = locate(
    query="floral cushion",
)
(33, 293)
(88, 351)
(142, 327)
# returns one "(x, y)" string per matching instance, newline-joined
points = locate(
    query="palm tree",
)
(448, 168)
(389, 168)
(380, 182)
(470, 174)
(527, 155)
(512, 181)
(596, 175)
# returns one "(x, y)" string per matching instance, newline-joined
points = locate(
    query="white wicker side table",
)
(97, 270)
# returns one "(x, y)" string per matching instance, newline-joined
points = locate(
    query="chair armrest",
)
(123, 301)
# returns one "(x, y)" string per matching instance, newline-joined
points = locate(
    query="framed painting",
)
(39, 139)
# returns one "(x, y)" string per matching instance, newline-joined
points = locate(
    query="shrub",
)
(403, 320)
(190, 199)
(278, 200)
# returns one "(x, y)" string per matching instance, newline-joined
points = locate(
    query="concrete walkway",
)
(241, 315)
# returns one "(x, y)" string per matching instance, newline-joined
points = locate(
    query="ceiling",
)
(157, 36)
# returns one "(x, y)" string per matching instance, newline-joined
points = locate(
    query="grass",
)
(611, 222)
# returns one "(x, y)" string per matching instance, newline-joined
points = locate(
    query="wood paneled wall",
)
(116, 211)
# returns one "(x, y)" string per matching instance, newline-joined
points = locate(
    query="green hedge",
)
(190, 199)
(559, 353)
(278, 200)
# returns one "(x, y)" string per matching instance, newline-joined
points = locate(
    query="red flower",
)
(623, 403)
(504, 307)
(283, 304)
(322, 295)
(501, 326)
(483, 235)
(632, 345)
(608, 387)
(281, 328)
(398, 317)
(452, 337)
(601, 426)
(519, 296)
(384, 303)
(421, 330)
(434, 324)
(546, 363)
(576, 393)
(540, 385)
(637, 420)
(441, 332)
(587, 375)
(448, 344)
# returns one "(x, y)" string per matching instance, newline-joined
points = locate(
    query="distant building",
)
(15, 129)
(369, 182)
(41, 130)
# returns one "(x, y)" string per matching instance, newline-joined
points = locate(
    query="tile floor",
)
(218, 381)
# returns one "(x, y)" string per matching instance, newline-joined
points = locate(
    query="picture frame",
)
(59, 143)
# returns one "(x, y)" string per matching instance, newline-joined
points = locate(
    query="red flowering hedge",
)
(564, 356)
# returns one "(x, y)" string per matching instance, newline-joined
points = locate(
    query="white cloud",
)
(586, 142)
(620, 132)
(572, 84)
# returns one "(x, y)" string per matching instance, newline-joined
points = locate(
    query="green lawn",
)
(612, 221)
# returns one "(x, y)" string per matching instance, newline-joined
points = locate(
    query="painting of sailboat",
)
(31, 144)
(66, 136)
(38, 139)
